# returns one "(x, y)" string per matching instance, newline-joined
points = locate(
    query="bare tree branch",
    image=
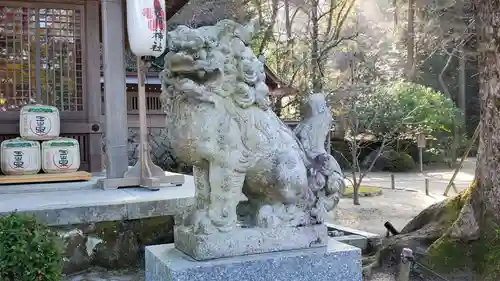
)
(269, 31)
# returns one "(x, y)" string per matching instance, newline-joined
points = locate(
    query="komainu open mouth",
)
(186, 66)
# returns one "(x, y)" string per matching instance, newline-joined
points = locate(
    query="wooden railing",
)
(153, 104)
(155, 116)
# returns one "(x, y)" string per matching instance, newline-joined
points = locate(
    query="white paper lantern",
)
(147, 27)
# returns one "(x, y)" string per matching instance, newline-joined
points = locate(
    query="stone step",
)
(353, 240)
(374, 241)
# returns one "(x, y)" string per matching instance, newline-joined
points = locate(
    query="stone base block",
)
(247, 241)
(334, 262)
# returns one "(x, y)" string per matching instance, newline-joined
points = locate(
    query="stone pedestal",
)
(248, 241)
(334, 262)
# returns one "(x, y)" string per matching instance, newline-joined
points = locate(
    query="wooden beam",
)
(173, 7)
(270, 75)
(93, 86)
(457, 169)
(45, 178)
(115, 102)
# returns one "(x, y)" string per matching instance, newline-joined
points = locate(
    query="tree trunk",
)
(410, 42)
(278, 106)
(462, 61)
(355, 167)
(467, 227)
(460, 132)
(315, 70)
(355, 189)
(288, 22)
(289, 40)
(269, 30)
(488, 167)
(395, 13)
(462, 85)
(454, 146)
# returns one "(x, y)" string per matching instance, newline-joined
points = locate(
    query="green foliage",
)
(428, 111)
(439, 149)
(402, 110)
(391, 161)
(433, 156)
(400, 162)
(29, 250)
(256, 41)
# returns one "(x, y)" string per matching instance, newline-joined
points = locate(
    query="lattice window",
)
(41, 58)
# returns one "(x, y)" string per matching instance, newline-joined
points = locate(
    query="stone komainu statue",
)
(219, 120)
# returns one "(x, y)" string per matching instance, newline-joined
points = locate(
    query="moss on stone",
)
(155, 230)
(447, 254)
(108, 230)
(482, 256)
(485, 252)
(452, 209)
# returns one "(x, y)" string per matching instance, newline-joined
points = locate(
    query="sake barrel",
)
(20, 157)
(39, 122)
(146, 27)
(61, 155)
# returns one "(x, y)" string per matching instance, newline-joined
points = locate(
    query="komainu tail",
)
(326, 180)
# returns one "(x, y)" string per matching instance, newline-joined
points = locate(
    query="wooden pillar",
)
(93, 89)
(114, 88)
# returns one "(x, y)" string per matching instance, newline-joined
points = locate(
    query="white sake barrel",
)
(39, 122)
(61, 155)
(20, 157)
(146, 27)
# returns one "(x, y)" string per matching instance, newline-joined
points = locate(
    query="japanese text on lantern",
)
(155, 17)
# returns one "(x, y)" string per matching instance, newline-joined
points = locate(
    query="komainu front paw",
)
(201, 223)
(281, 215)
(222, 216)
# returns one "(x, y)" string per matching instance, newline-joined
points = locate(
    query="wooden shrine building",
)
(64, 53)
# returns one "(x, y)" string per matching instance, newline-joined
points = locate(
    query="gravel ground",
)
(396, 206)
